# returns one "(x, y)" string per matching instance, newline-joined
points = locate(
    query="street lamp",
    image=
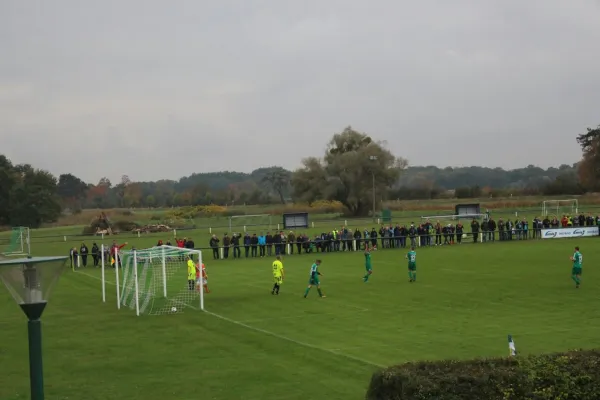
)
(373, 158)
(29, 281)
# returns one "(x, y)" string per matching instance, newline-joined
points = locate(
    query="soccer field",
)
(252, 345)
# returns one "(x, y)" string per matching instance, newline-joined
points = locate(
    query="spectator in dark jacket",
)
(214, 245)
(247, 243)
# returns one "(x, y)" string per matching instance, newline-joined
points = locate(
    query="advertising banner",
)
(584, 231)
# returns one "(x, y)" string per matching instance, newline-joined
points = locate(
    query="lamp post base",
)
(34, 329)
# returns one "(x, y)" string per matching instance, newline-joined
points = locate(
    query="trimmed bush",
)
(573, 375)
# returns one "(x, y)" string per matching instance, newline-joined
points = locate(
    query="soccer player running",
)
(577, 259)
(278, 275)
(368, 265)
(314, 279)
(411, 256)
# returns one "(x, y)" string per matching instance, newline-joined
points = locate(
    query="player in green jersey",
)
(577, 259)
(314, 279)
(411, 256)
(368, 265)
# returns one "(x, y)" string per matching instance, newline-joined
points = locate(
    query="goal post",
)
(244, 223)
(19, 242)
(560, 207)
(156, 281)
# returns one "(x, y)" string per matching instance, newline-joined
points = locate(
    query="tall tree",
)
(589, 168)
(71, 190)
(121, 188)
(7, 181)
(33, 198)
(278, 179)
(352, 167)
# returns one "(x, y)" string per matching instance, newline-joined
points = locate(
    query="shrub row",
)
(573, 375)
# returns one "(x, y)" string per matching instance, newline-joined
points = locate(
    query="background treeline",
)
(354, 169)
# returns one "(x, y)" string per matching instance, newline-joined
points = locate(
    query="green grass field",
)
(251, 345)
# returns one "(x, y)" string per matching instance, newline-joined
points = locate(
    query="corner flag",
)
(512, 350)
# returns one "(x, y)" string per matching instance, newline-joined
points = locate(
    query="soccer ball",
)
(173, 309)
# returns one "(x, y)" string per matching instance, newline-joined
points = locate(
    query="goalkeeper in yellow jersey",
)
(278, 275)
(191, 273)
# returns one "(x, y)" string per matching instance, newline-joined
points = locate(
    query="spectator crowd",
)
(392, 236)
(388, 236)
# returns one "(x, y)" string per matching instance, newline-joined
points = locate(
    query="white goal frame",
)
(249, 216)
(164, 274)
(24, 242)
(553, 206)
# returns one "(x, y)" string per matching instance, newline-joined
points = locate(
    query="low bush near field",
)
(573, 375)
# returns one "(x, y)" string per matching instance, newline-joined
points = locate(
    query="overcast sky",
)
(160, 89)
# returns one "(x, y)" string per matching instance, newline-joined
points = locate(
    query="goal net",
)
(19, 242)
(559, 207)
(250, 223)
(155, 281)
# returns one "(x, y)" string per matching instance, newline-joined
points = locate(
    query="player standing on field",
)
(278, 275)
(368, 265)
(412, 265)
(201, 278)
(577, 259)
(314, 279)
(191, 272)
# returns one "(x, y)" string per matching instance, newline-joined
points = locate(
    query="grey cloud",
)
(105, 88)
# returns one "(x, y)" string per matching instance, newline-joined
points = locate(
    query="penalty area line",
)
(310, 346)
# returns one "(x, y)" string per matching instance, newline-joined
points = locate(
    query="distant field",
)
(404, 212)
(256, 346)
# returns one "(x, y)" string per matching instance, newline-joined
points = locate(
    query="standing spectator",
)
(519, 229)
(262, 243)
(403, 234)
(84, 251)
(299, 241)
(412, 234)
(189, 244)
(460, 229)
(235, 242)
(253, 245)
(491, 230)
(357, 238)
(475, 230)
(292, 241)
(247, 243)
(438, 233)
(214, 245)
(374, 238)
(277, 242)
(95, 254)
(501, 228)
(226, 245)
(484, 230)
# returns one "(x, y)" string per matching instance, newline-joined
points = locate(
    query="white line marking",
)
(349, 357)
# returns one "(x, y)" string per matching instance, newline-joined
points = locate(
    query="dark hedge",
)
(573, 375)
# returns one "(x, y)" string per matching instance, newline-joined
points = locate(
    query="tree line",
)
(353, 170)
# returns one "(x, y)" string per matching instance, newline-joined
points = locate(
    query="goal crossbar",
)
(555, 206)
(453, 217)
(266, 216)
